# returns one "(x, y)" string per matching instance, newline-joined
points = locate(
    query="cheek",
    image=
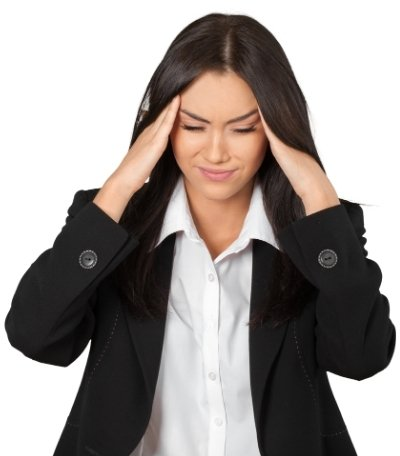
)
(256, 160)
(252, 151)
(262, 146)
(180, 149)
(184, 145)
(175, 142)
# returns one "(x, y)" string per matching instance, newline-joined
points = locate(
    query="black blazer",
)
(345, 328)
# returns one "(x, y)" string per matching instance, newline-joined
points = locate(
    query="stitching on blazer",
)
(335, 433)
(72, 424)
(91, 451)
(105, 347)
(302, 364)
(310, 383)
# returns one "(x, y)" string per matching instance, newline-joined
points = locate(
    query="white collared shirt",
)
(202, 404)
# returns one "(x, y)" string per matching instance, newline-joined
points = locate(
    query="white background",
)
(72, 75)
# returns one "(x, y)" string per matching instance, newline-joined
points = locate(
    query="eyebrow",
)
(235, 119)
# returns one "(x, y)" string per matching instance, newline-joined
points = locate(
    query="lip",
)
(219, 175)
(216, 171)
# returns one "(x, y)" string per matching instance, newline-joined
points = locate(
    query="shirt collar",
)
(178, 217)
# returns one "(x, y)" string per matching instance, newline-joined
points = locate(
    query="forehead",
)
(218, 95)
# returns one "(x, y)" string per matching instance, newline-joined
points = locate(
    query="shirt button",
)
(210, 277)
(212, 376)
(218, 421)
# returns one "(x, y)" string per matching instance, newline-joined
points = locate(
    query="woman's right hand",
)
(138, 163)
(147, 149)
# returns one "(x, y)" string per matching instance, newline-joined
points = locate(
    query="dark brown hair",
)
(220, 42)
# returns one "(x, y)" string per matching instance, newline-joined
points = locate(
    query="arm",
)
(51, 318)
(355, 337)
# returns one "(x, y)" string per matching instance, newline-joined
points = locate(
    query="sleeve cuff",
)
(308, 239)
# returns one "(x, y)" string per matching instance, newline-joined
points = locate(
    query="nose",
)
(215, 150)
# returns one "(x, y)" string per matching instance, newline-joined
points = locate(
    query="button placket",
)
(218, 421)
(212, 375)
(211, 359)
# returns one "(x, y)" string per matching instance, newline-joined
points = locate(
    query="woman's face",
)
(216, 143)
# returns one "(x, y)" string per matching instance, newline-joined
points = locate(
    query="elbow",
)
(16, 338)
(20, 334)
(375, 359)
(43, 354)
(359, 363)
(60, 354)
(46, 356)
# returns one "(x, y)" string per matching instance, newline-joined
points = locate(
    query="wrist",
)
(117, 186)
(319, 201)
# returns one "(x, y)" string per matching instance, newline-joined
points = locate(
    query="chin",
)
(218, 190)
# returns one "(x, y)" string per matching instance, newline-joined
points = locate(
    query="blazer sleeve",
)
(354, 335)
(51, 318)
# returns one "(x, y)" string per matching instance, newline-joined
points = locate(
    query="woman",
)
(219, 292)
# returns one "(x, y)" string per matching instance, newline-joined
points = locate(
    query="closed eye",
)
(238, 130)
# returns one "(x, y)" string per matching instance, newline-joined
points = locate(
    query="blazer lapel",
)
(148, 335)
(264, 342)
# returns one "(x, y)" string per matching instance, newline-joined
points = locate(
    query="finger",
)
(168, 121)
(171, 106)
(271, 136)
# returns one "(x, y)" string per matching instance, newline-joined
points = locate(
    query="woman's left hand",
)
(307, 178)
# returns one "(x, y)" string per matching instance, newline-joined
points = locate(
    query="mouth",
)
(216, 171)
(216, 175)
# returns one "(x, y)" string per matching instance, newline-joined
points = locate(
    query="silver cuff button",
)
(88, 259)
(327, 258)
